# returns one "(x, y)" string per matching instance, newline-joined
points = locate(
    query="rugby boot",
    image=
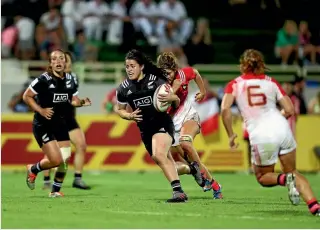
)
(207, 186)
(178, 197)
(56, 194)
(293, 193)
(217, 194)
(31, 178)
(196, 173)
(80, 184)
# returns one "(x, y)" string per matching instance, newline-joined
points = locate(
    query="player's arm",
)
(77, 102)
(226, 113)
(176, 85)
(171, 96)
(287, 107)
(284, 101)
(121, 107)
(35, 88)
(200, 84)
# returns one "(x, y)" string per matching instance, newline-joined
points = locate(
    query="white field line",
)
(198, 215)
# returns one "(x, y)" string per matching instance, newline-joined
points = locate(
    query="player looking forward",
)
(185, 118)
(55, 90)
(77, 137)
(270, 136)
(156, 128)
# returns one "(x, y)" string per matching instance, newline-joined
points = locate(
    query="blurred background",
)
(209, 35)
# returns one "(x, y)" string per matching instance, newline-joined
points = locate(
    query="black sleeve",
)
(75, 79)
(39, 85)
(160, 81)
(121, 97)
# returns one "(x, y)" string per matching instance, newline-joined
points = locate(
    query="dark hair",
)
(251, 61)
(149, 66)
(167, 60)
(49, 68)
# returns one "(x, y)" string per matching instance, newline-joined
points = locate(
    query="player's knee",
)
(56, 161)
(185, 142)
(159, 157)
(81, 147)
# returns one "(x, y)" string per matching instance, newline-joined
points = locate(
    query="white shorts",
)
(265, 153)
(180, 119)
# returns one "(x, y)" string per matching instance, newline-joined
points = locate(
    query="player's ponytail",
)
(251, 61)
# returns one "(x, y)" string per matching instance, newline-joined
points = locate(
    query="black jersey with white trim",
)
(139, 94)
(71, 111)
(53, 92)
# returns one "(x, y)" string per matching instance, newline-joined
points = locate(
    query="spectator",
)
(200, 48)
(144, 14)
(314, 105)
(96, 16)
(8, 41)
(288, 88)
(175, 11)
(84, 50)
(52, 42)
(16, 104)
(306, 48)
(26, 29)
(118, 18)
(170, 42)
(287, 42)
(51, 20)
(73, 12)
(298, 89)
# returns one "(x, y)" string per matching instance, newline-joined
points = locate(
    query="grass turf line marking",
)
(198, 215)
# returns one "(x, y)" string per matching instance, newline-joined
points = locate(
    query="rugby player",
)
(76, 135)
(156, 128)
(55, 90)
(270, 135)
(185, 118)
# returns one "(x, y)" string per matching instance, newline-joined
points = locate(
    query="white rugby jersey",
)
(256, 97)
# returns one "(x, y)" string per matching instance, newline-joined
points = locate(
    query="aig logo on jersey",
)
(60, 97)
(144, 101)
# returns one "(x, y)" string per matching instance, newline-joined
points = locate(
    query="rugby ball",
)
(160, 106)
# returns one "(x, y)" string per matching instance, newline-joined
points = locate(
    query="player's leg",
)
(62, 169)
(46, 179)
(185, 166)
(50, 148)
(188, 132)
(78, 140)
(161, 143)
(264, 157)
(288, 162)
(62, 136)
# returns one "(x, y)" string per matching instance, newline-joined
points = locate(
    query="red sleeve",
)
(279, 90)
(229, 87)
(189, 73)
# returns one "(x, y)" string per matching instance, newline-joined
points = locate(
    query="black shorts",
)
(49, 131)
(159, 127)
(72, 124)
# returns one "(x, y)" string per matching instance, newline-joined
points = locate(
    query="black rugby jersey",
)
(53, 92)
(71, 111)
(139, 94)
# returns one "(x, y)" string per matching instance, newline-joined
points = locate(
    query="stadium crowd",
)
(83, 25)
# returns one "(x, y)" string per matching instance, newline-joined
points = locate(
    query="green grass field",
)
(137, 200)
